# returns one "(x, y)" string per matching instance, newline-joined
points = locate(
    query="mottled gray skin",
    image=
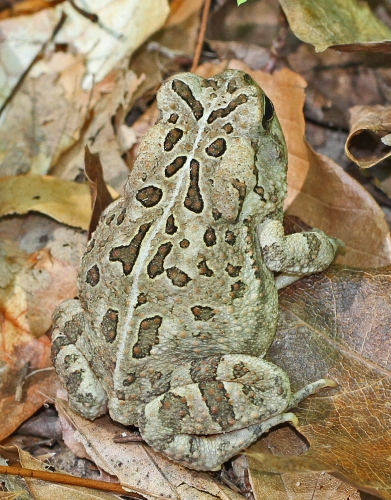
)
(177, 297)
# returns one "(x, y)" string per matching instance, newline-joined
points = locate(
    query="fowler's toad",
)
(177, 297)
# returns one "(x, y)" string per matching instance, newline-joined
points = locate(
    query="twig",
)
(201, 35)
(55, 477)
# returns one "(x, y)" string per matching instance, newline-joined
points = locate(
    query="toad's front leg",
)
(295, 255)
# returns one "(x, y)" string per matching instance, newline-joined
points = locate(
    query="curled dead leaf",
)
(369, 142)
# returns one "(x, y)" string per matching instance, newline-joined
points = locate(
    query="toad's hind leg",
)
(232, 401)
(85, 393)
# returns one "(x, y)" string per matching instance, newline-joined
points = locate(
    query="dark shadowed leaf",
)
(337, 325)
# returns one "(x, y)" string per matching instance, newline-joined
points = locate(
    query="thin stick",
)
(201, 35)
(55, 477)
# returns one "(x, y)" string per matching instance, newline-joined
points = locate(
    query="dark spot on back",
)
(141, 300)
(193, 200)
(172, 138)
(202, 313)
(177, 277)
(217, 148)
(228, 128)
(156, 265)
(204, 270)
(149, 196)
(110, 219)
(240, 370)
(171, 228)
(109, 325)
(93, 276)
(238, 289)
(232, 86)
(260, 192)
(230, 237)
(173, 118)
(216, 214)
(223, 112)
(185, 93)
(233, 271)
(130, 378)
(121, 217)
(210, 237)
(127, 254)
(147, 336)
(176, 165)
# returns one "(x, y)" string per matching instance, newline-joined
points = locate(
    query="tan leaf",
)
(180, 10)
(341, 24)
(65, 201)
(368, 141)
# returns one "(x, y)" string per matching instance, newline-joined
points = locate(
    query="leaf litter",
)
(328, 318)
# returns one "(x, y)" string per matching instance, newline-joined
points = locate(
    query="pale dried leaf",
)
(342, 24)
(21, 39)
(368, 142)
(139, 466)
(122, 27)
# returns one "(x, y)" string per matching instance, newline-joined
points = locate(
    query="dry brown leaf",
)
(336, 325)
(369, 142)
(37, 271)
(341, 24)
(297, 486)
(101, 197)
(137, 465)
(319, 192)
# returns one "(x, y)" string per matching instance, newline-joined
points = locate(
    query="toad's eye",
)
(268, 112)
